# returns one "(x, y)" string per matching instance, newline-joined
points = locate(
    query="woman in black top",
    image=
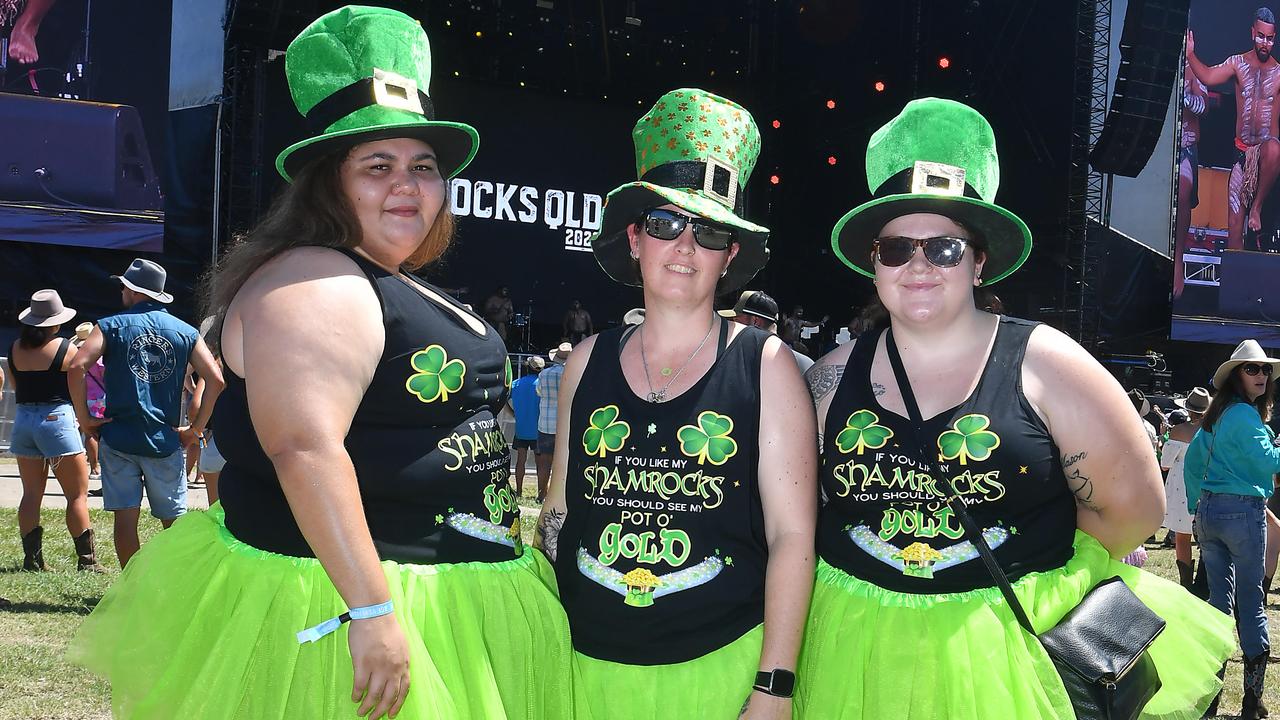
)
(680, 515)
(44, 430)
(1014, 417)
(366, 475)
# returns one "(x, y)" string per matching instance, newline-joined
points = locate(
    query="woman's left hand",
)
(762, 706)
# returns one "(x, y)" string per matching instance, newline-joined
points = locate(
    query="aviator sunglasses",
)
(668, 224)
(943, 251)
(1250, 369)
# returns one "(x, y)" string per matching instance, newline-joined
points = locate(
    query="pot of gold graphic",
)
(640, 584)
(918, 559)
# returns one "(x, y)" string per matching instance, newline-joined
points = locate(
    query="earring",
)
(724, 272)
(634, 256)
(977, 282)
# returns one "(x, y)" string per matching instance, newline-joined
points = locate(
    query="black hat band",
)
(693, 174)
(383, 89)
(928, 178)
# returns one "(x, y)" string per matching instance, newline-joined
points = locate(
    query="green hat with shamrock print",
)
(359, 74)
(694, 150)
(937, 156)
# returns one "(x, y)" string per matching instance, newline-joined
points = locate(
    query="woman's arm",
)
(787, 474)
(311, 335)
(1106, 455)
(555, 508)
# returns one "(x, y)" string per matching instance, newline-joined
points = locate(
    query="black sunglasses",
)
(1251, 369)
(943, 251)
(668, 224)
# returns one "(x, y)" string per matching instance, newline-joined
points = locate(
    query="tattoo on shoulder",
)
(547, 535)
(823, 379)
(1078, 483)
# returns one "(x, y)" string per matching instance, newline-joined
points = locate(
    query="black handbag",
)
(1101, 647)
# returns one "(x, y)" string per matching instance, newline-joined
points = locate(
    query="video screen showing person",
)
(1226, 229)
(83, 123)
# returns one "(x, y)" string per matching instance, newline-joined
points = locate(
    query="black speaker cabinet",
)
(1247, 286)
(71, 152)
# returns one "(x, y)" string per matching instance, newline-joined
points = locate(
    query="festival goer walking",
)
(945, 403)
(45, 435)
(682, 503)
(146, 352)
(366, 475)
(1229, 471)
(524, 404)
(96, 396)
(548, 414)
(1172, 459)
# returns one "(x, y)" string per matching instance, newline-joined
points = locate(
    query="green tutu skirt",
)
(711, 687)
(873, 653)
(201, 625)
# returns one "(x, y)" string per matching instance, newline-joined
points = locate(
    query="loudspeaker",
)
(1150, 52)
(72, 152)
(1246, 287)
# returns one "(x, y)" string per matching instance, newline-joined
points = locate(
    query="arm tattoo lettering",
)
(745, 705)
(547, 535)
(823, 379)
(1077, 482)
(877, 389)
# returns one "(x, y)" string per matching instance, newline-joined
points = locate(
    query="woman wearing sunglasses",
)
(1228, 472)
(680, 516)
(943, 402)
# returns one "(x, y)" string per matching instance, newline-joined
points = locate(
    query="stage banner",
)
(1225, 229)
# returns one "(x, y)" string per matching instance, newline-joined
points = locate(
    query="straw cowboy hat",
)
(46, 310)
(634, 316)
(1248, 351)
(561, 353)
(1196, 401)
(83, 331)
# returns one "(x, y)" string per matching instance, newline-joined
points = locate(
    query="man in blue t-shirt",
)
(524, 403)
(147, 353)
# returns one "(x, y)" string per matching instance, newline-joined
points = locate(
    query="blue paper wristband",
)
(313, 634)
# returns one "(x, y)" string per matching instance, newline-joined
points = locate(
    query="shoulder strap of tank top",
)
(1002, 375)
(61, 355)
(723, 340)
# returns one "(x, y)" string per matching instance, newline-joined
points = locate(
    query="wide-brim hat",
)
(937, 156)
(634, 316)
(359, 74)
(1196, 401)
(83, 331)
(1140, 402)
(146, 277)
(560, 353)
(46, 310)
(695, 150)
(1248, 351)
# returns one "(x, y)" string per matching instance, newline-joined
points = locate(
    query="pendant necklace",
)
(657, 396)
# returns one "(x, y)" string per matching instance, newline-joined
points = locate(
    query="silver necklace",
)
(657, 396)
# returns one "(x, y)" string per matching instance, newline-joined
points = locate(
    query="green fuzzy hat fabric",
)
(353, 44)
(937, 156)
(685, 127)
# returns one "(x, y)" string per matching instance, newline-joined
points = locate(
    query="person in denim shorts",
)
(44, 430)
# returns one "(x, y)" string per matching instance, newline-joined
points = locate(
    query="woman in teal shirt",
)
(1228, 473)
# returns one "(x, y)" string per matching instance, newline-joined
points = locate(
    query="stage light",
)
(713, 73)
(944, 62)
(879, 86)
(521, 83)
(777, 124)
(831, 159)
(455, 73)
(831, 104)
(479, 34)
(774, 179)
(510, 34)
(448, 23)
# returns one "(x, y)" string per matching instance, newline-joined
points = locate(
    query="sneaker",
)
(95, 493)
(95, 475)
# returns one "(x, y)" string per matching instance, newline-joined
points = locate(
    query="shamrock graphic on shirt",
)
(437, 376)
(709, 440)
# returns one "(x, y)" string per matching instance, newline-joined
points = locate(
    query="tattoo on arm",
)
(547, 536)
(877, 389)
(823, 379)
(1077, 482)
(745, 705)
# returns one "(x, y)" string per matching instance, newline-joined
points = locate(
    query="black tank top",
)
(886, 522)
(662, 556)
(430, 459)
(42, 386)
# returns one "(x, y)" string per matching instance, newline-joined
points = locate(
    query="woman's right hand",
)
(380, 659)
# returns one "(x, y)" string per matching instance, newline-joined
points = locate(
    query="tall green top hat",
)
(359, 74)
(937, 156)
(696, 151)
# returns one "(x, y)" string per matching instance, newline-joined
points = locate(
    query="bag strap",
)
(954, 500)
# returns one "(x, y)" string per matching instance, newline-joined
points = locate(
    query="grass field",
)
(35, 681)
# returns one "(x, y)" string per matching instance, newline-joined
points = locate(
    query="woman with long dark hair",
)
(1228, 472)
(365, 555)
(951, 405)
(45, 435)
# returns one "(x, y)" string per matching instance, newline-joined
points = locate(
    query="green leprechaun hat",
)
(359, 74)
(937, 156)
(694, 150)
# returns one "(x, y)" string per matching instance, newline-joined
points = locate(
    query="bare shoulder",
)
(1062, 380)
(777, 358)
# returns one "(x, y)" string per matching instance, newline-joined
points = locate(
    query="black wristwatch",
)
(779, 683)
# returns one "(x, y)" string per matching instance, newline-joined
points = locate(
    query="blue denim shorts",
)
(124, 475)
(45, 430)
(211, 461)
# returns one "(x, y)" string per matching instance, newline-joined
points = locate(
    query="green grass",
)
(36, 682)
